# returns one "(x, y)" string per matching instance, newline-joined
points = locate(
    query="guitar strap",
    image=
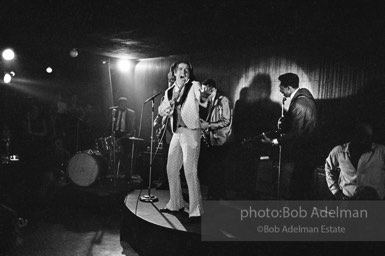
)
(211, 107)
(180, 101)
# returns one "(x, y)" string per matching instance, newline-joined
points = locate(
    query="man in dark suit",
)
(298, 129)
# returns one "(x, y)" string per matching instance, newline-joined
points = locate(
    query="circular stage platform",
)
(151, 232)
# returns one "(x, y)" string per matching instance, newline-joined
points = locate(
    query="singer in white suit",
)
(181, 103)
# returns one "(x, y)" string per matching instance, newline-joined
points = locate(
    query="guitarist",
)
(181, 104)
(298, 140)
(164, 134)
(216, 129)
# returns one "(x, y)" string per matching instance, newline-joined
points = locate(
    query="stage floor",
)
(150, 211)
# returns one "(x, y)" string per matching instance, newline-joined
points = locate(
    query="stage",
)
(151, 232)
(150, 212)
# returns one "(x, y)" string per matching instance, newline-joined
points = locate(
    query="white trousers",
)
(184, 150)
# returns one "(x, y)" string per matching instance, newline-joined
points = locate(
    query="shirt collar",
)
(176, 86)
(214, 97)
(293, 94)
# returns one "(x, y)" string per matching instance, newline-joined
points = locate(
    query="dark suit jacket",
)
(130, 121)
(299, 124)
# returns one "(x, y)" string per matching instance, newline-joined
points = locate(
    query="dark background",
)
(336, 47)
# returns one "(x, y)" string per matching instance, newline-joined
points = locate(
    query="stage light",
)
(8, 54)
(7, 78)
(49, 70)
(12, 73)
(74, 53)
(124, 65)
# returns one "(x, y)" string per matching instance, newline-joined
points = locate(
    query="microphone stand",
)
(113, 147)
(280, 152)
(150, 198)
(77, 134)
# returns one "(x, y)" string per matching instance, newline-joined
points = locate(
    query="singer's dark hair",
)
(171, 76)
(176, 64)
(289, 79)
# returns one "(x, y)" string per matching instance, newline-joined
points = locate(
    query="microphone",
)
(152, 97)
(283, 100)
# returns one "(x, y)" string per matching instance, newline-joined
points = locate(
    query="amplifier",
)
(321, 190)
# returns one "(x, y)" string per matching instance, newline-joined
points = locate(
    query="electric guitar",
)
(174, 99)
(161, 130)
(249, 140)
(206, 138)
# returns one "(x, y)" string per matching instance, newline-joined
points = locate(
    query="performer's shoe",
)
(165, 210)
(194, 219)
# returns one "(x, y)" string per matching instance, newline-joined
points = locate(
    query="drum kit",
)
(88, 166)
(6, 157)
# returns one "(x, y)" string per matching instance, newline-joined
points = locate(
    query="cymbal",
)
(135, 138)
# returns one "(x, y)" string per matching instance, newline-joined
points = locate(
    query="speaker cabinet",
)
(321, 190)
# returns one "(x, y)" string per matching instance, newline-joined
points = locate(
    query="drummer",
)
(123, 126)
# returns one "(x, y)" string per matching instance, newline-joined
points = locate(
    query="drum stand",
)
(112, 161)
(115, 172)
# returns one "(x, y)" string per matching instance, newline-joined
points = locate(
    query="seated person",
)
(358, 163)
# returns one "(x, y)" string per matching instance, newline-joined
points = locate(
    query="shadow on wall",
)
(254, 112)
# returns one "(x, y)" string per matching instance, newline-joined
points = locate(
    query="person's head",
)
(183, 72)
(210, 87)
(289, 82)
(122, 103)
(362, 137)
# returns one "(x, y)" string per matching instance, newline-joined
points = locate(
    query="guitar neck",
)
(260, 136)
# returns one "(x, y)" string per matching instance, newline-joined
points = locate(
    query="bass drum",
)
(85, 167)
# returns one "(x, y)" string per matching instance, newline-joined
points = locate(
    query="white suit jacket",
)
(190, 107)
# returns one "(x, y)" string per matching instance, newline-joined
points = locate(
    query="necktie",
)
(119, 120)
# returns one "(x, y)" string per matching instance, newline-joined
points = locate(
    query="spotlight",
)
(74, 53)
(49, 70)
(124, 65)
(8, 54)
(7, 78)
